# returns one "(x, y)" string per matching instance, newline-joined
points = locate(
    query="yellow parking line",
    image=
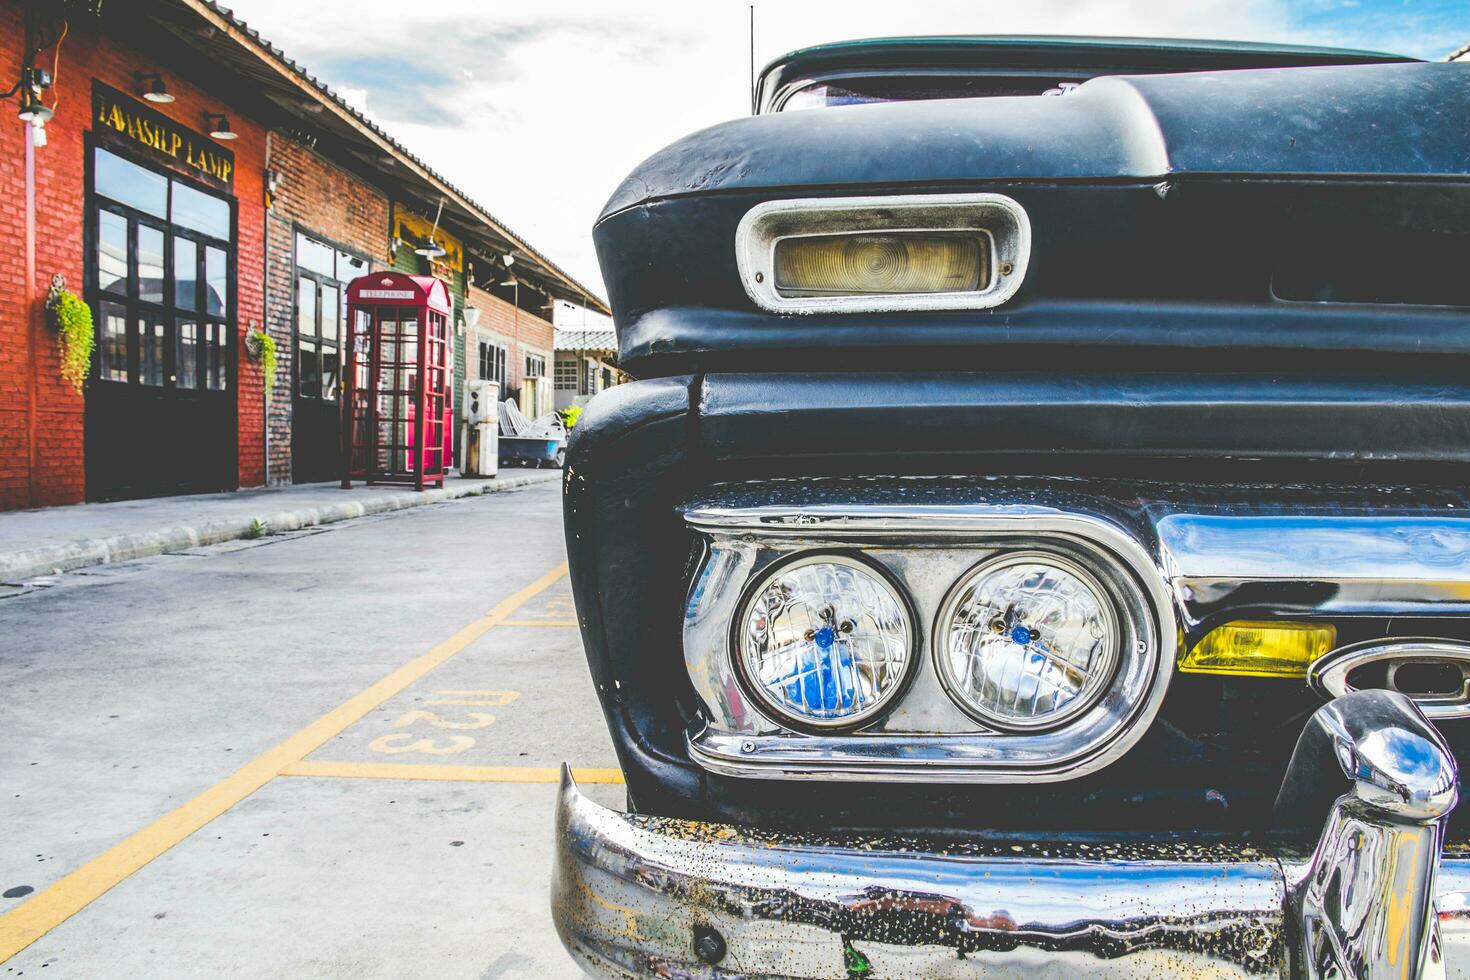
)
(464, 774)
(555, 623)
(56, 903)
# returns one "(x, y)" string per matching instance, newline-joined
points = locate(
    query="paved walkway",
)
(56, 539)
(324, 756)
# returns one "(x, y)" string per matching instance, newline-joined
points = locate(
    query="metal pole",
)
(34, 313)
(265, 272)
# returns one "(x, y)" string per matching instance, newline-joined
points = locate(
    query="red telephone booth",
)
(396, 399)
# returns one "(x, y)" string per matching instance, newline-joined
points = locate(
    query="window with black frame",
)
(492, 363)
(162, 282)
(322, 274)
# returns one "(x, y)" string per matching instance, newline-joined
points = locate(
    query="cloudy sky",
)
(539, 109)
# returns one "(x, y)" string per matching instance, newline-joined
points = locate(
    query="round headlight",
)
(825, 641)
(1027, 641)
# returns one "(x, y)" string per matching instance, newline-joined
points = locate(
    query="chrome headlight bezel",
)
(925, 549)
(1095, 688)
(757, 691)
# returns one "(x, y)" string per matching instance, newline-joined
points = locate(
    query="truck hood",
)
(1341, 121)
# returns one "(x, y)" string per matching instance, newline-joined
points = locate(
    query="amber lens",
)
(1260, 649)
(840, 265)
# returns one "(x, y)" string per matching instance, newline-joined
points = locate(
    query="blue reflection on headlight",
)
(825, 639)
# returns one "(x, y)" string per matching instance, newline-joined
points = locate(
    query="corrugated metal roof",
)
(586, 340)
(264, 49)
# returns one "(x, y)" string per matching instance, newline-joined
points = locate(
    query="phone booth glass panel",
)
(396, 400)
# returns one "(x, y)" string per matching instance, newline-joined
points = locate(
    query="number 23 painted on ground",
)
(397, 742)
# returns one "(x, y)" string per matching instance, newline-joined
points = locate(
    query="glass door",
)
(322, 274)
(160, 411)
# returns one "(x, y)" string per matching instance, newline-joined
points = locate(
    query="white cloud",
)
(539, 110)
(355, 96)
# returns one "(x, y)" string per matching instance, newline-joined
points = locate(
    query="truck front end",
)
(1037, 538)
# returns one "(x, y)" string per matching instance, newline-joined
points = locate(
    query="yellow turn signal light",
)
(845, 265)
(1260, 649)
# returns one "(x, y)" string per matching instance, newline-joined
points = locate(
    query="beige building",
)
(586, 363)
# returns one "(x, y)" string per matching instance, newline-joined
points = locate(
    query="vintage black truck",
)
(1036, 542)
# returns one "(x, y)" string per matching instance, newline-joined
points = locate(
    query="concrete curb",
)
(17, 566)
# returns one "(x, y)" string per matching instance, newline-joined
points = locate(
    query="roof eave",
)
(236, 31)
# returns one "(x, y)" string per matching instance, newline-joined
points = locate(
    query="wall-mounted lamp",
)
(218, 126)
(149, 84)
(32, 109)
(432, 249)
(509, 260)
(471, 316)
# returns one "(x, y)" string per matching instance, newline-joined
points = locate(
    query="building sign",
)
(414, 231)
(130, 123)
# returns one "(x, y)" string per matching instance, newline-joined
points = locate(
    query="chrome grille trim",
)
(1318, 564)
(1331, 675)
(926, 737)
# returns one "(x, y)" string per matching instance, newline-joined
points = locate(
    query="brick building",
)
(192, 184)
(323, 228)
(74, 197)
(513, 346)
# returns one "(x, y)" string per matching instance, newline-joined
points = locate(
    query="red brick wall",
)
(522, 333)
(331, 204)
(60, 217)
(28, 352)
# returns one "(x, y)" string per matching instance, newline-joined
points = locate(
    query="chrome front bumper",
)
(638, 896)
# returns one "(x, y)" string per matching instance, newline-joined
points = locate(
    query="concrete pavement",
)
(204, 754)
(51, 540)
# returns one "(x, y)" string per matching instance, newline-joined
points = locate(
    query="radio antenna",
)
(752, 59)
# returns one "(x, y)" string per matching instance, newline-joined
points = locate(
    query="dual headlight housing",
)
(947, 642)
(1024, 641)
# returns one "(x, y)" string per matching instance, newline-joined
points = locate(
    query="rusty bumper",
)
(638, 896)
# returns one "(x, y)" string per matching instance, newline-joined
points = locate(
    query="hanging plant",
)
(261, 347)
(75, 335)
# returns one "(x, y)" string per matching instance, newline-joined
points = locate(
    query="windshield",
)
(911, 88)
